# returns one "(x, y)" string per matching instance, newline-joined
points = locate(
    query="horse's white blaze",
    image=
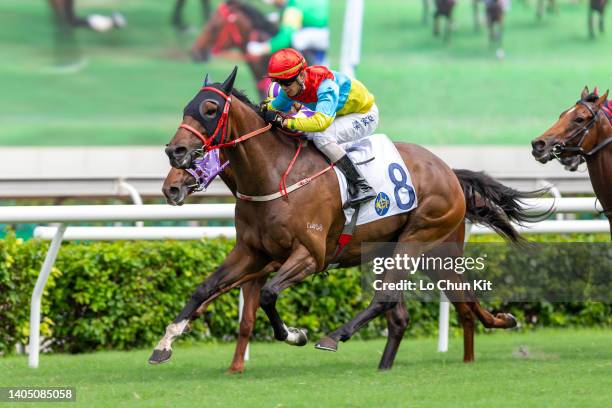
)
(172, 331)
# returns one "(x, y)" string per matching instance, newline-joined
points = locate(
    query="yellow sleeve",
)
(316, 123)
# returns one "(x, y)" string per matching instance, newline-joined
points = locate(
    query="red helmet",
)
(286, 63)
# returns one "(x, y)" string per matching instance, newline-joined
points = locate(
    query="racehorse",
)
(599, 7)
(583, 131)
(425, 15)
(233, 25)
(272, 234)
(180, 183)
(177, 13)
(444, 9)
(495, 22)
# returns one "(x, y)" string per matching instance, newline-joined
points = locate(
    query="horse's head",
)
(205, 122)
(232, 25)
(571, 135)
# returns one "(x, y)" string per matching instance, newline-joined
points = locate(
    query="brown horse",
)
(495, 23)
(233, 25)
(179, 184)
(444, 10)
(273, 235)
(583, 131)
(599, 7)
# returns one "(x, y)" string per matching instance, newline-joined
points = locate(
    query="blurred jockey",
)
(304, 26)
(344, 111)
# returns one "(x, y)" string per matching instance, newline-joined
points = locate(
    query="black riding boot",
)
(359, 189)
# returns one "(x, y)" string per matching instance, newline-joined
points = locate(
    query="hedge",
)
(121, 295)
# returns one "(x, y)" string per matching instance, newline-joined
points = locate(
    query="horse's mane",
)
(241, 95)
(260, 22)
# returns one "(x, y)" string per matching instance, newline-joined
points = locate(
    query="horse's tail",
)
(495, 205)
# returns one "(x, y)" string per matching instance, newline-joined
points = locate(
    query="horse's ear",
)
(206, 80)
(602, 99)
(228, 85)
(585, 92)
(596, 91)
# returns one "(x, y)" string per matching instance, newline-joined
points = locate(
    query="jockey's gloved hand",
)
(273, 117)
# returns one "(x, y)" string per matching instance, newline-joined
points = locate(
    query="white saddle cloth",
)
(387, 174)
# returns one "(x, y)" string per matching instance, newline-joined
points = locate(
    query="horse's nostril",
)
(180, 151)
(174, 191)
(538, 145)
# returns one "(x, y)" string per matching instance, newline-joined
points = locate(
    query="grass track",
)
(137, 80)
(557, 368)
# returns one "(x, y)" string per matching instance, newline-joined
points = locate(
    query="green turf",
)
(137, 81)
(547, 368)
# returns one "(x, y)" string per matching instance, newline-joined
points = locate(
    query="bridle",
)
(582, 133)
(222, 126)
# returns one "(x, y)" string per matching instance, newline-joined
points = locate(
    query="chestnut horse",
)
(583, 131)
(179, 184)
(272, 235)
(599, 7)
(233, 25)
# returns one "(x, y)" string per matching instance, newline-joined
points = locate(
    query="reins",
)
(221, 129)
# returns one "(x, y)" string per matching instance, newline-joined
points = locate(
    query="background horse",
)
(597, 7)
(584, 131)
(273, 232)
(177, 14)
(444, 10)
(495, 22)
(233, 25)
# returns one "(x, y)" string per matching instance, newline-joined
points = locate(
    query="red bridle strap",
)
(222, 126)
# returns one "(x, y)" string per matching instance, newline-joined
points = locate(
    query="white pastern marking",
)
(172, 331)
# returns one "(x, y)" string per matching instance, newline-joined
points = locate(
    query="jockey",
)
(344, 111)
(304, 26)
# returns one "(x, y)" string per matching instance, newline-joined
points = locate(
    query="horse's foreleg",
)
(250, 291)
(177, 15)
(241, 265)
(591, 29)
(397, 322)
(296, 268)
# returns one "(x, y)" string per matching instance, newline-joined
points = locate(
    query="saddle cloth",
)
(386, 172)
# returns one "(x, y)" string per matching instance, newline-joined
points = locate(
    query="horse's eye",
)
(579, 119)
(211, 111)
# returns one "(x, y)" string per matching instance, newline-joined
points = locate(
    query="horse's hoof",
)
(160, 356)
(234, 370)
(296, 337)
(511, 321)
(327, 343)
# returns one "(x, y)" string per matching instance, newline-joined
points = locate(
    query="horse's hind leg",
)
(250, 291)
(397, 322)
